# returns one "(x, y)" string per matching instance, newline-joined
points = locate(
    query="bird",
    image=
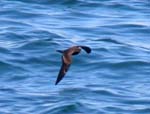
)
(67, 59)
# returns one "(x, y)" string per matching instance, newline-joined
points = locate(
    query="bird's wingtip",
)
(56, 82)
(87, 49)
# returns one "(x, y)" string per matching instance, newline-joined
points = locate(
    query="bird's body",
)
(67, 59)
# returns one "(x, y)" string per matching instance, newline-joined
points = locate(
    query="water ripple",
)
(112, 79)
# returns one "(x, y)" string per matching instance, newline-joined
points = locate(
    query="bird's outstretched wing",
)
(87, 49)
(62, 72)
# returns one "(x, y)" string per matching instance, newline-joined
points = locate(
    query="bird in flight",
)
(67, 59)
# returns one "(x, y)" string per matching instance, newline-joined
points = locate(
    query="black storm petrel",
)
(67, 59)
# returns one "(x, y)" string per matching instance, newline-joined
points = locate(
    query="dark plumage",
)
(67, 59)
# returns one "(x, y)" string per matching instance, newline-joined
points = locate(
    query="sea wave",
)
(112, 78)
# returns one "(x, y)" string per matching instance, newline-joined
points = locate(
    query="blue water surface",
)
(113, 79)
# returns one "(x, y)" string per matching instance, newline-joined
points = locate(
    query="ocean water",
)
(113, 79)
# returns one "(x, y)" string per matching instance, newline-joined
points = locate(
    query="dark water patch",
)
(9, 68)
(20, 15)
(32, 60)
(17, 29)
(127, 110)
(10, 101)
(31, 64)
(131, 25)
(7, 90)
(109, 40)
(67, 108)
(63, 108)
(44, 35)
(142, 110)
(14, 36)
(15, 14)
(67, 2)
(118, 91)
(4, 66)
(121, 6)
(74, 91)
(14, 23)
(131, 64)
(29, 99)
(106, 93)
(84, 30)
(83, 15)
(36, 45)
(91, 4)
(137, 101)
(115, 109)
(40, 40)
(145, 30)
(126, 26)
(49, 2)
(4, 50)
(102, 49)
(14, 78)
